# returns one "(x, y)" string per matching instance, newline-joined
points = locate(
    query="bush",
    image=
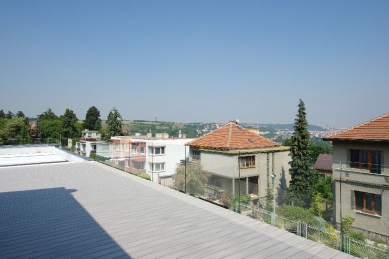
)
(297, 213)
(144, 176)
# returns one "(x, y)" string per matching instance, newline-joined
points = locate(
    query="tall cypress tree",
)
(303, 178)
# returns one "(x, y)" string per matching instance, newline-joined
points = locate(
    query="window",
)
(366, 159)
(139, 165)
(196, 154)
(247, 161)
(367, 202)
(157, 167)
(142, 150)
(157, 150)
(133, 147)
(117, 146)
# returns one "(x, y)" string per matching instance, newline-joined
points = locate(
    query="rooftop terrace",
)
(91, 210)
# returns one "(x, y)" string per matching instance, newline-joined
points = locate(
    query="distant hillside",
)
(191, 130)
(280, 126)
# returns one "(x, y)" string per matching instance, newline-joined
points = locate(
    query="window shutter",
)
(348, 159)
(377, 203)
(368, 201)
(352, 200)
(382, 163)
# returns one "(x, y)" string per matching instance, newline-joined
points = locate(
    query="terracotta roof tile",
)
(232, 136)
(323, 162)
(376, 129)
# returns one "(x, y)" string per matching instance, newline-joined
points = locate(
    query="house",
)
(88, 143)
(361, 179)
(241, 161)
(157, 156)
(324, 165)
(128, 154)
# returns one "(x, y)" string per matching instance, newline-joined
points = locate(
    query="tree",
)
(2, 114)
(92, 119)
(20, 114)
(47, 115)
(9, 115)
(114, 123)
(69, 120)
(303, 178)
(196, 178)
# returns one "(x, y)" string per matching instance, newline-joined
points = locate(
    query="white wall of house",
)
(174, 152)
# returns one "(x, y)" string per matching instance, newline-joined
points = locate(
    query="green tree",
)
(51, 128)
(324, 187)
(303, 178)
(69, 124)
(196, 178)
(92, 119)
(2, 114)
(114, 123)
(47, 115)
(20, 114)
(9, 115)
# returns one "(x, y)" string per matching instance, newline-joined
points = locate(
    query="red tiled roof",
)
(232, 136)
(323, 162)
(376, 129)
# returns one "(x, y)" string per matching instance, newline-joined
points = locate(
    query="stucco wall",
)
(228, 166)
(355, 179)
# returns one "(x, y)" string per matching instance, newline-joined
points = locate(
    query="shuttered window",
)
(367, 202)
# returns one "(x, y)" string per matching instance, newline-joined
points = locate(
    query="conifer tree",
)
(92, 119)
(303, 178)
(114, 123)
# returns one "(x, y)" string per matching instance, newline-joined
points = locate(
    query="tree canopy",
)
(92, 119)
(114, 123)
(196, 178)
(47, 115)
(69, 124)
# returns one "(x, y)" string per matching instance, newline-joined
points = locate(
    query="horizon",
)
(197, 61)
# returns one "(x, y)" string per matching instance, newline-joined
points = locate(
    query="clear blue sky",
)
(191, 61)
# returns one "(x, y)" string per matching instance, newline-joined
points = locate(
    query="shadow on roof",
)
(51, 223)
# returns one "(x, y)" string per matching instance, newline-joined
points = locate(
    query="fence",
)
(331, 239)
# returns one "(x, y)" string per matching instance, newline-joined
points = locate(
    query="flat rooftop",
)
(87, 210)
(37, 154)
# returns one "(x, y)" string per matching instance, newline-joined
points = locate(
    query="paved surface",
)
(88, 210)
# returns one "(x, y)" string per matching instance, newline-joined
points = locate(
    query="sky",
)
(197, 61)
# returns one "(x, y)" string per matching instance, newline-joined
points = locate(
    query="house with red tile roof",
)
(361, 178)
(324, 165)
(241, 161)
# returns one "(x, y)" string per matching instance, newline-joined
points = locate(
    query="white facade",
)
(163, 156)
(88, 143)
